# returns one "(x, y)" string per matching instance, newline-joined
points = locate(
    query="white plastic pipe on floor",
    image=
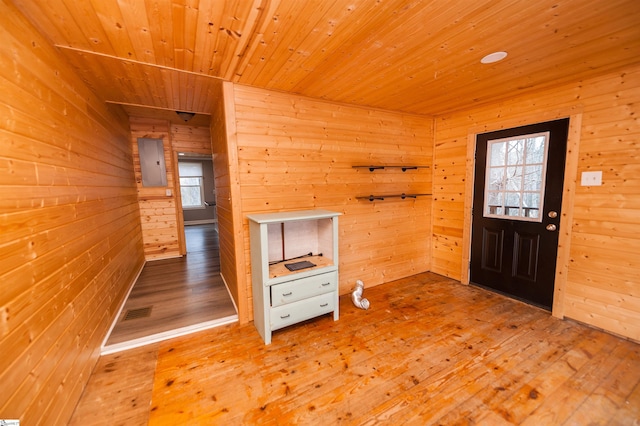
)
(357, 298)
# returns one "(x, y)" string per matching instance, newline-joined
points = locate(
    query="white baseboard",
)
(124, 301)
(166, 335)
(200, 222)
(229, 292)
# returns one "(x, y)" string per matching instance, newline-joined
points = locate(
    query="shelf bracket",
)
(403, 168)
(382, 197)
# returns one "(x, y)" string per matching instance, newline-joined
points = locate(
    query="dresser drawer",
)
(303, 288)
(292, 313)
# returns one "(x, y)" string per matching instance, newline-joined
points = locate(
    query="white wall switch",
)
(168, 192)
(591, 178)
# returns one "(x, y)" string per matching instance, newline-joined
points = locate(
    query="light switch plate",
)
(591, 178)
(168, 192)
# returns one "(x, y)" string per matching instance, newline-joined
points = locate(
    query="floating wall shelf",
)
(382, 197)
(404, 168)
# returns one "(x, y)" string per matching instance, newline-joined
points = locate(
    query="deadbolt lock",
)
(552, 214)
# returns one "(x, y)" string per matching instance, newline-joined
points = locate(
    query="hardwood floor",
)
(176, 296)
(428, 351)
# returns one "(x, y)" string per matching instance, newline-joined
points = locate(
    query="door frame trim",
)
(568, 193)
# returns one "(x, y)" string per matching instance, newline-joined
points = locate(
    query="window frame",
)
(200, 177)
(488, 168)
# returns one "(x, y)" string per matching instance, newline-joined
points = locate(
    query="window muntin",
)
(191, 185)
(514, 177)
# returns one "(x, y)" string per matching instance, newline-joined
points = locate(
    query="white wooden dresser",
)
(282, 297)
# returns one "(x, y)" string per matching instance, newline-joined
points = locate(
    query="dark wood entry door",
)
(518, 185)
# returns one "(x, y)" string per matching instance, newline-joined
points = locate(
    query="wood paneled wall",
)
(158, 211)
(297, 153)
(161, 213)
(225, 170)
(70, 239)
(186, 138)
(602, 271)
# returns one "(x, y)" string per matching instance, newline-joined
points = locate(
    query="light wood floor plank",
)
(120, 389)
(429, 351)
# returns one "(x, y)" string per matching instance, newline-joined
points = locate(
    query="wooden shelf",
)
(404, 168)
(382, 197)
(280, 270)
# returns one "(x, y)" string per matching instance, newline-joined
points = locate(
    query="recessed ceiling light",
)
(493, 57)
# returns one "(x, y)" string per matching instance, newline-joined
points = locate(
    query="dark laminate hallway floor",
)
(176, 296)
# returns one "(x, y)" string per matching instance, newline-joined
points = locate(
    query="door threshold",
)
(166, 335)
(512, 297)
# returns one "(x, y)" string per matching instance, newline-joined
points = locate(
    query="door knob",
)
(551, 227)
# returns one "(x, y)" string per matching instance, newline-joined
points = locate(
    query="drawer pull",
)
(287, 294)
(285, 316)
(325, 284)
(324, 305)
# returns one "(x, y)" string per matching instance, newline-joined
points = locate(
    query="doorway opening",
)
(197, 190)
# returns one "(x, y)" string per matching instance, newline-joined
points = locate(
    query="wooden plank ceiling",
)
(413, 56)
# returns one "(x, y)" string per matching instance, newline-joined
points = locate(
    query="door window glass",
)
(514, 181)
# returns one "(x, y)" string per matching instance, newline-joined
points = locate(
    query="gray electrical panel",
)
(152, 165)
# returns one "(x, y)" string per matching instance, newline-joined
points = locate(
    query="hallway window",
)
(191, 185)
